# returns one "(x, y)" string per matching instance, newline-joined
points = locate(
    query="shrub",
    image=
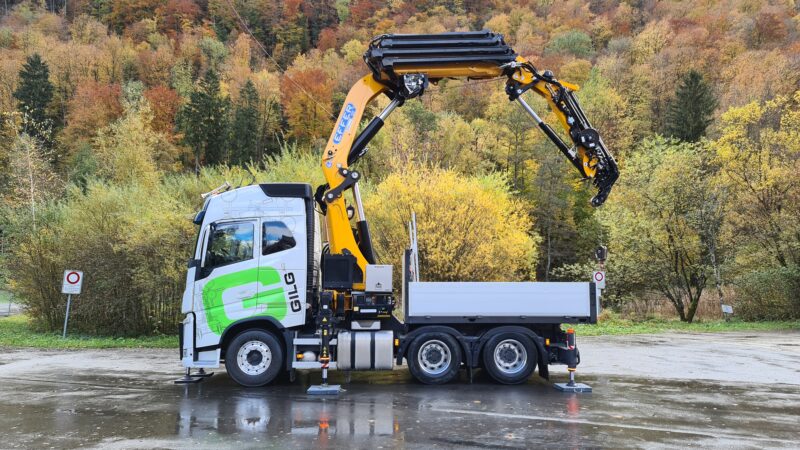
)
(769, 294)
(131, 243)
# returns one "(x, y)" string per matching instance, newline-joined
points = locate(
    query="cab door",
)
(227, 277)
(283, 267)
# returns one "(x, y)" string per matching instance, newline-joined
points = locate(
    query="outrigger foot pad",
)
(324, 389)
(190, 378)
(573, 387)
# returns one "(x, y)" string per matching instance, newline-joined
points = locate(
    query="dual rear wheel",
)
(436, 357)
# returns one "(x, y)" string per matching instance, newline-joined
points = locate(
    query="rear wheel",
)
(434, 358)
(509, 357)
(254, 358)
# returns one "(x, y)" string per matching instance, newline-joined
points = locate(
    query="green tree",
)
(34, 94)
(204, 122)
(244, 129)
(574, 42)
(690, 112)
(660, 228)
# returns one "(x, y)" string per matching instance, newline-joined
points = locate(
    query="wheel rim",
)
(254, 358)
(434, 357)
(510, 356)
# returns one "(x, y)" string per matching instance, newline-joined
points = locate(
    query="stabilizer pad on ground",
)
(576, 387)
(318, 389)
(188, 380)
(193, 378)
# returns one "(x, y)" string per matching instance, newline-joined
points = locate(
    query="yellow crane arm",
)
(402, 66)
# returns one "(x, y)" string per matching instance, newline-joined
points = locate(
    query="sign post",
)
(72, 283)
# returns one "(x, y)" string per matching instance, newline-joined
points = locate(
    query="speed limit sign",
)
(73, 280)
(599, 278)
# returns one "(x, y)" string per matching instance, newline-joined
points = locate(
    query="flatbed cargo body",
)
(501, 302)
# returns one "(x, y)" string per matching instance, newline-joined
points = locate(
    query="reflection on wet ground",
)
(389, 410)
(103, 399)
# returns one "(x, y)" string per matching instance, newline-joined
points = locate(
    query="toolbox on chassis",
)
(256, 299)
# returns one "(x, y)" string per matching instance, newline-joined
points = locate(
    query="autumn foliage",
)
(118, 102)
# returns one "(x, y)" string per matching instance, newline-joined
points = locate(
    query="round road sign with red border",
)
(73, 277)
(598, 276)
(72, 282)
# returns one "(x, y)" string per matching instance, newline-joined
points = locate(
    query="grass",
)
(614, 325)
(15, 331)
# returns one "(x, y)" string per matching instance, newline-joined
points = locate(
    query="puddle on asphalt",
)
(389, 410)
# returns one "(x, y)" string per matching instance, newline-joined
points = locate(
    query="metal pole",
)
(66, 317)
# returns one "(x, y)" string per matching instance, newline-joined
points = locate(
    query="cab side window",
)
(276, 238)
(230, 243)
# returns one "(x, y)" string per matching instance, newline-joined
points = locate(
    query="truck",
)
(284, 277)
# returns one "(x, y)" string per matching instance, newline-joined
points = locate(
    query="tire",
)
(254, 358)
(434, 358)
(510, 357)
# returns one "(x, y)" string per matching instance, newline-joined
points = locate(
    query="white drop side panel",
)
(499, 299)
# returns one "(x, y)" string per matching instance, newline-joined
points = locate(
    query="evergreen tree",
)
(690, 113)
(33, 95)
(204, 122)
(244, 130)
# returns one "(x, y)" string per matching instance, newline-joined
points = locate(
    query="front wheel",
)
(434, 358)
(509, 357)
(254, 358)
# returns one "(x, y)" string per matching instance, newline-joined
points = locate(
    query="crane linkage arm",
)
(483, 54)
(402, 65)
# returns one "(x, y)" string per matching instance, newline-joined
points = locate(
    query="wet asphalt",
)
(733, 390)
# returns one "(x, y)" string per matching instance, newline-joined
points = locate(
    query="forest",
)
(116, 115)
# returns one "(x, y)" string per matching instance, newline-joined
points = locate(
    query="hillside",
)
(116, 114)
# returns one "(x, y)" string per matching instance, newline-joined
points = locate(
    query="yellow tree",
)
(469, 227)
(759, 153)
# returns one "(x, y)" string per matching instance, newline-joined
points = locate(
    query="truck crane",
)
(265, 295)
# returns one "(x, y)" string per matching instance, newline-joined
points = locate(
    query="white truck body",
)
(256, 266)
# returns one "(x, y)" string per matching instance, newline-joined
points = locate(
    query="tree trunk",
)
(717, 279)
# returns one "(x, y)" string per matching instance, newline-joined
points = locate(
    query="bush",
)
(131, 243)
(131, 240)
(469, 228)
(770, 294)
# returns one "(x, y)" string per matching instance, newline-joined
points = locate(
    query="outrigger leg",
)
(572, 365)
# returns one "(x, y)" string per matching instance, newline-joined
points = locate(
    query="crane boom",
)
(402, 66)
